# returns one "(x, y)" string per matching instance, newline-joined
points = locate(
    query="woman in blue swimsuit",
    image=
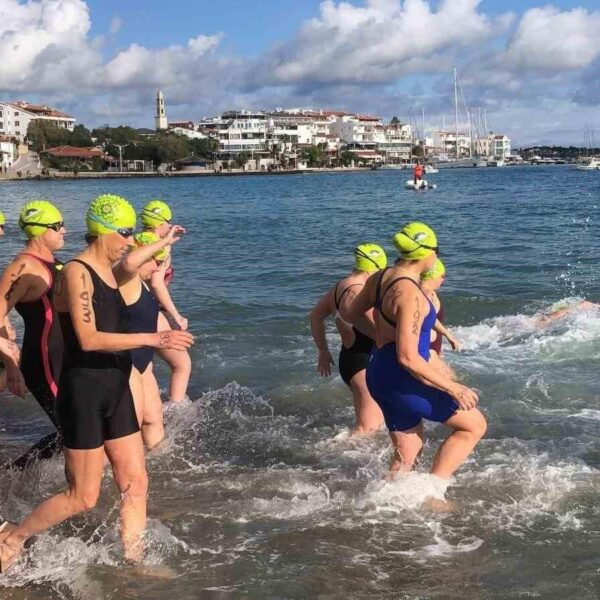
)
(400, 378)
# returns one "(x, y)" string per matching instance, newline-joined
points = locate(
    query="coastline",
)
(69, 175)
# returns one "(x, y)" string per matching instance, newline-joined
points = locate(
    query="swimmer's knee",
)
(84, 501)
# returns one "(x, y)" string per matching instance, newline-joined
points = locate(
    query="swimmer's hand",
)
(173, 339)
(465, 397)
(15, 382)
(10, 351)
(174, 234)
(181, 321)
(454, 342)
(324, 363)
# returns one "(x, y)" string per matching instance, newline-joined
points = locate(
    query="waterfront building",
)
(16, 116)
(395, 142)
(494, 145)
(8, 152)
(355, 129)
(242, 131)
(445, 143)
(161, 123)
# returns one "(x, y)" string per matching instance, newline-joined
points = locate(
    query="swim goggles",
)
(122, 231)
(54, 226)
(436, 249)
(362, 254)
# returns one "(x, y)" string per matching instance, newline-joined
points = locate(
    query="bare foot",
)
(5, 530)
(440, 505)
(8, 555)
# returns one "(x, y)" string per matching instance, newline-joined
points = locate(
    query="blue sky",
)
(534, 65)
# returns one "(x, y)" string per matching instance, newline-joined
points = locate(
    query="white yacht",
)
(587, 163)
(496, 162)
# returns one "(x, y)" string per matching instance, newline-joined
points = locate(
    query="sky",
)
(532, 66)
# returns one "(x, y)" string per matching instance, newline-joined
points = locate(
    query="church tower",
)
(160, 120)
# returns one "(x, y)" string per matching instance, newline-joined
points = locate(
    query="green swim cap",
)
(2, 218)
(369, 257)
(437, 270)
(155, 213)
(416, 241)
(147, 237)
(38, 211)
(107, 213)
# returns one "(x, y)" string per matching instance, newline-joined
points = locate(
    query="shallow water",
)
(259, 491)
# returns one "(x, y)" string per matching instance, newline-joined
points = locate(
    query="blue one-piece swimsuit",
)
(403, 399)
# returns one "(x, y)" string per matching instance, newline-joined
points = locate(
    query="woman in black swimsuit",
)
(142, 313)
(94, 406)
(356, 344)
(27, 285)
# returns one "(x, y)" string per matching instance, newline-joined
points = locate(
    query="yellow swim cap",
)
(416, 241)
(35, 215)
(147, 237)
(155, 213)
(369, 257)
(109, 213)
(437, 270)
(2, 218)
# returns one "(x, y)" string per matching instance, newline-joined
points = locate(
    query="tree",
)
(314, 155)
(395, 121)
(346, 158)
(241, 159)
(122, 134)
(204, 148)
(417, 150)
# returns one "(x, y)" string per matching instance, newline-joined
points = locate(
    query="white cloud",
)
(115, 25)
(377, 56)
(549, 40)
(374, 43)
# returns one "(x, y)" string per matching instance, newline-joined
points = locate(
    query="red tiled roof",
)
(43, 111)
(74, 152)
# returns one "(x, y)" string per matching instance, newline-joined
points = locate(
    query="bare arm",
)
(442, 330)
(160, 290)
(79, 289)
(128, 266)
(317, 318)
(410, 307)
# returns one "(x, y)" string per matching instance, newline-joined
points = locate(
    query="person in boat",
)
(94, 406)
(27, 285)
(418, 173)
(399, 375)
(356, 344)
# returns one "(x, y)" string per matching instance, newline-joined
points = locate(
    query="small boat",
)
(495, 162)
(587, 163)
(431, 169)
(422, 184)
(387, 166)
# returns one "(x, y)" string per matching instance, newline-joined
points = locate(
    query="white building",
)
(494, 145)
(355, 129)
(395, 142)
(241, 131)
(16, 116)
(8, 152)
(160, 118)
(445, 142)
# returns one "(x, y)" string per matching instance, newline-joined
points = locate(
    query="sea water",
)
(259, 491)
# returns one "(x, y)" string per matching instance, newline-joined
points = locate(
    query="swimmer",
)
(156, 218)
(28, 284)
(356, 344)
(431, 281)
(94, 405)
(547, 319)
(142, 312)
(400, 378)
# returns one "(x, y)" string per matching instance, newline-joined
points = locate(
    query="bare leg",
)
(85, 470)
(469, 427)
(126, 456)
(407, 447)
(153, 430)
(180, 363)
(369, 417)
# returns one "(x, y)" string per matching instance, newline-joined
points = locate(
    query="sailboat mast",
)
(456, 111)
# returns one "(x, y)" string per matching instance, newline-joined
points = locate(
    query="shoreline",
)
(69, 175)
